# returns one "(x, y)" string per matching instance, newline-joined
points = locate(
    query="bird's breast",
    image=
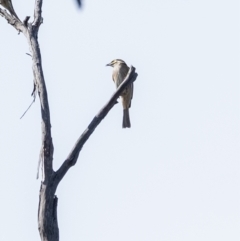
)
(118, 76)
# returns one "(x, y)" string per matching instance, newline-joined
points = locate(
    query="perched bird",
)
(8, 5)
(120, 70)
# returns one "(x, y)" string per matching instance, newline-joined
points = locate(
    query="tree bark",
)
(47, 213)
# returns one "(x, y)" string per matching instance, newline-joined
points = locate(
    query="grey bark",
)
(47, 210)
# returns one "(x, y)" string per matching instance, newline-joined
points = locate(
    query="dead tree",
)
(47, 210)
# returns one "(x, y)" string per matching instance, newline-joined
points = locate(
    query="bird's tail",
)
(126, 119)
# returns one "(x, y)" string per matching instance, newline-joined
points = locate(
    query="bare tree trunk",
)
(47, 213)
(47, 210)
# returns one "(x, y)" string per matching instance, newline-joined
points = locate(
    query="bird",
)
(120, 70)
(8, 5)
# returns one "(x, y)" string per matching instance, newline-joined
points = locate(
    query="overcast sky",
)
(175, 175)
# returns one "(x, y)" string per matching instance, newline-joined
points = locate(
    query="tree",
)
(47, 210)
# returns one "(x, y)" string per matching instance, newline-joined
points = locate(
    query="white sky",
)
(174, 176)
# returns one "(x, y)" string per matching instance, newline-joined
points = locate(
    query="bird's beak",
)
(108, 64)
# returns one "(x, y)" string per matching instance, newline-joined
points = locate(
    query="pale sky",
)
(175, 175)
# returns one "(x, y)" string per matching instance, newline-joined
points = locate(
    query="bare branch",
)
(73, 156)
(37, 13)
(17, 24)
(39, 83)
(47, 144)
(25, 21)
(28, 107)
(31, 33)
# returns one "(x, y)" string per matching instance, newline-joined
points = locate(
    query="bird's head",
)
(115, 62)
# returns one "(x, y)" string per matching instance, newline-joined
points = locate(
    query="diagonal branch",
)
(73, 155)
(19, 26)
